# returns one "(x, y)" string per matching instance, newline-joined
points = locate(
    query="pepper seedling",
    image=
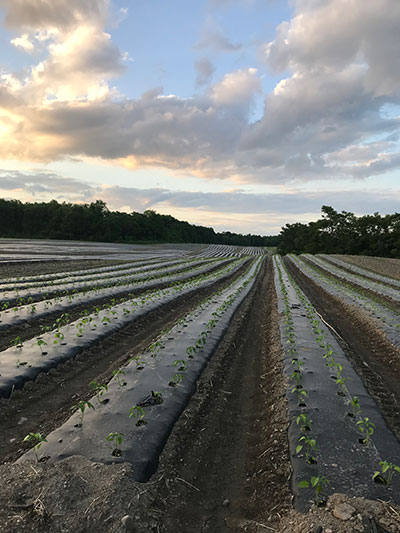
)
(82, 406)
(384, 477)
(36, 438)
(318, 484)
(117, 438)
(136, 411)
(118, 373)
(98, 389)
(366, 428)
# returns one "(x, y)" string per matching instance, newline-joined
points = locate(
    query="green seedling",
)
(58, 337)
(136, 411)
(138, 361)
(37, 439)
(191, 350)
(384, 477)
(82, 406)
(157, 396)
(304, 422)
(17, 342)
(45, 329)
(118, 373)
(105, 320)
(311, 446)
(366, 428)
(318, 484)
(98, 389)
(117, 439)
(40, 342)
(177, 378)
(181, 364)
(355, 404)
(301, 395)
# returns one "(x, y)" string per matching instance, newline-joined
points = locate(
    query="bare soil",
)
(224, 468)
(381, 265)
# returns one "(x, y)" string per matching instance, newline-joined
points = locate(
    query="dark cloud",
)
(205, 70)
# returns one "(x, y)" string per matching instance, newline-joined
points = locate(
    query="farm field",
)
(160, 388)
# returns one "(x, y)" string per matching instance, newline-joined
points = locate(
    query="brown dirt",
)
(225, 466)
(373, 356)
(380, 265)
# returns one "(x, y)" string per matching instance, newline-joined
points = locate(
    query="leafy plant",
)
(37, 439)
(117, 439)
(176, 379)
(58, 337)
(118, 373)
(136, 411)
(181, 364)
(17, 342)
(366, 428)
(40, 342)
(98, 389)
(355, 404)
(387, 471)
(318, 484)
(311, 446)
(81, 406)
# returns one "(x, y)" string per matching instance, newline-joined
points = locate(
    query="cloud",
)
(213, 38)
(42, 185)
(205, 70)
(44, 14)
(321, 122)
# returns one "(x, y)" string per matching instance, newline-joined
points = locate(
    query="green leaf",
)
(303, 484)
(299, 448)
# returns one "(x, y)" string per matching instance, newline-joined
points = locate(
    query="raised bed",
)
(19, 364)
(385, 315)
(154, 388)
(323, 395)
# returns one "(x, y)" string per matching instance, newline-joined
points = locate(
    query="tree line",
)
(344, 233)
(95, 222)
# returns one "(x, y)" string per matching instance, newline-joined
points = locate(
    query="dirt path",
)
(227, 459)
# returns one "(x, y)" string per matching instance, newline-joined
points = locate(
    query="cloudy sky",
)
(238, 114)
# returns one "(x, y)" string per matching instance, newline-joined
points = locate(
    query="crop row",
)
(82, 275)
(24, 361)
(329, 406)
(130, 418)
(40, 293)
(387, 317)
(362, 271)
(357, 279)
(20, 314)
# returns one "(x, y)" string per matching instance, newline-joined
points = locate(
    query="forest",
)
(95, 222)
(344, 233)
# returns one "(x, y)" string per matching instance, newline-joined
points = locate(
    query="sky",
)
(243, 115)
